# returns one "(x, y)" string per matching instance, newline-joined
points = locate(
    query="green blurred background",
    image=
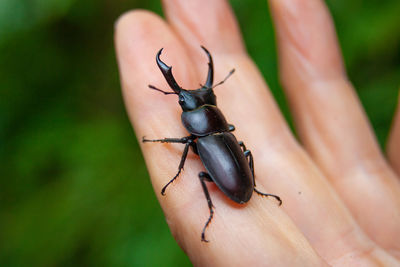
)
(74, 190)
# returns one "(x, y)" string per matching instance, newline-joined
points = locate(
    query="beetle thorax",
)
(205, 120)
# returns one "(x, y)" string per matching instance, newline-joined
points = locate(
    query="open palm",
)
(341, 199)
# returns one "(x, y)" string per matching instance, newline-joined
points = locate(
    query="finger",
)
(393, 146)
(330, 120)
(281, 165)
(215, 25)
(139, 35)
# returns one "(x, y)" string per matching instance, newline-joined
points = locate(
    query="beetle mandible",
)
(227, 161)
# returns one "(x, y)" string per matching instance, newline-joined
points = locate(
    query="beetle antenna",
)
(164, 92)
(226, 78)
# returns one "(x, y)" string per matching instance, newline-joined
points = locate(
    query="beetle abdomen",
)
(205, 120)
(225, 162)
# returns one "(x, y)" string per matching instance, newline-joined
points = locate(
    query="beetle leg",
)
(205, 176)
(231, 128)
(183, 140)
(247, 154)
(180, 168)
(249, 157)
(194, 148)
(241, 144)
(269, 195)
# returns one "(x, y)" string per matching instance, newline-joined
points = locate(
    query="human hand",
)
(341, 200)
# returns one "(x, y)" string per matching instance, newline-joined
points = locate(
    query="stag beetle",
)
(227, 161)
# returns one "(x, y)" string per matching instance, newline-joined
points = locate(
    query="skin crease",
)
(329, 220)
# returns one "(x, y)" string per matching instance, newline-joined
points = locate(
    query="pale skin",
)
(341, 194)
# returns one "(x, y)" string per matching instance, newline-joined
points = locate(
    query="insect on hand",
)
(210, 137)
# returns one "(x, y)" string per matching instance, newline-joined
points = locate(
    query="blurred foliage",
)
(74, 190)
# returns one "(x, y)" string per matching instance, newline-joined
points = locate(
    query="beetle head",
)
(190, 99)
(193, 99)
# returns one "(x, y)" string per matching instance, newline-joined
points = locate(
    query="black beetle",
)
(228, 163)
